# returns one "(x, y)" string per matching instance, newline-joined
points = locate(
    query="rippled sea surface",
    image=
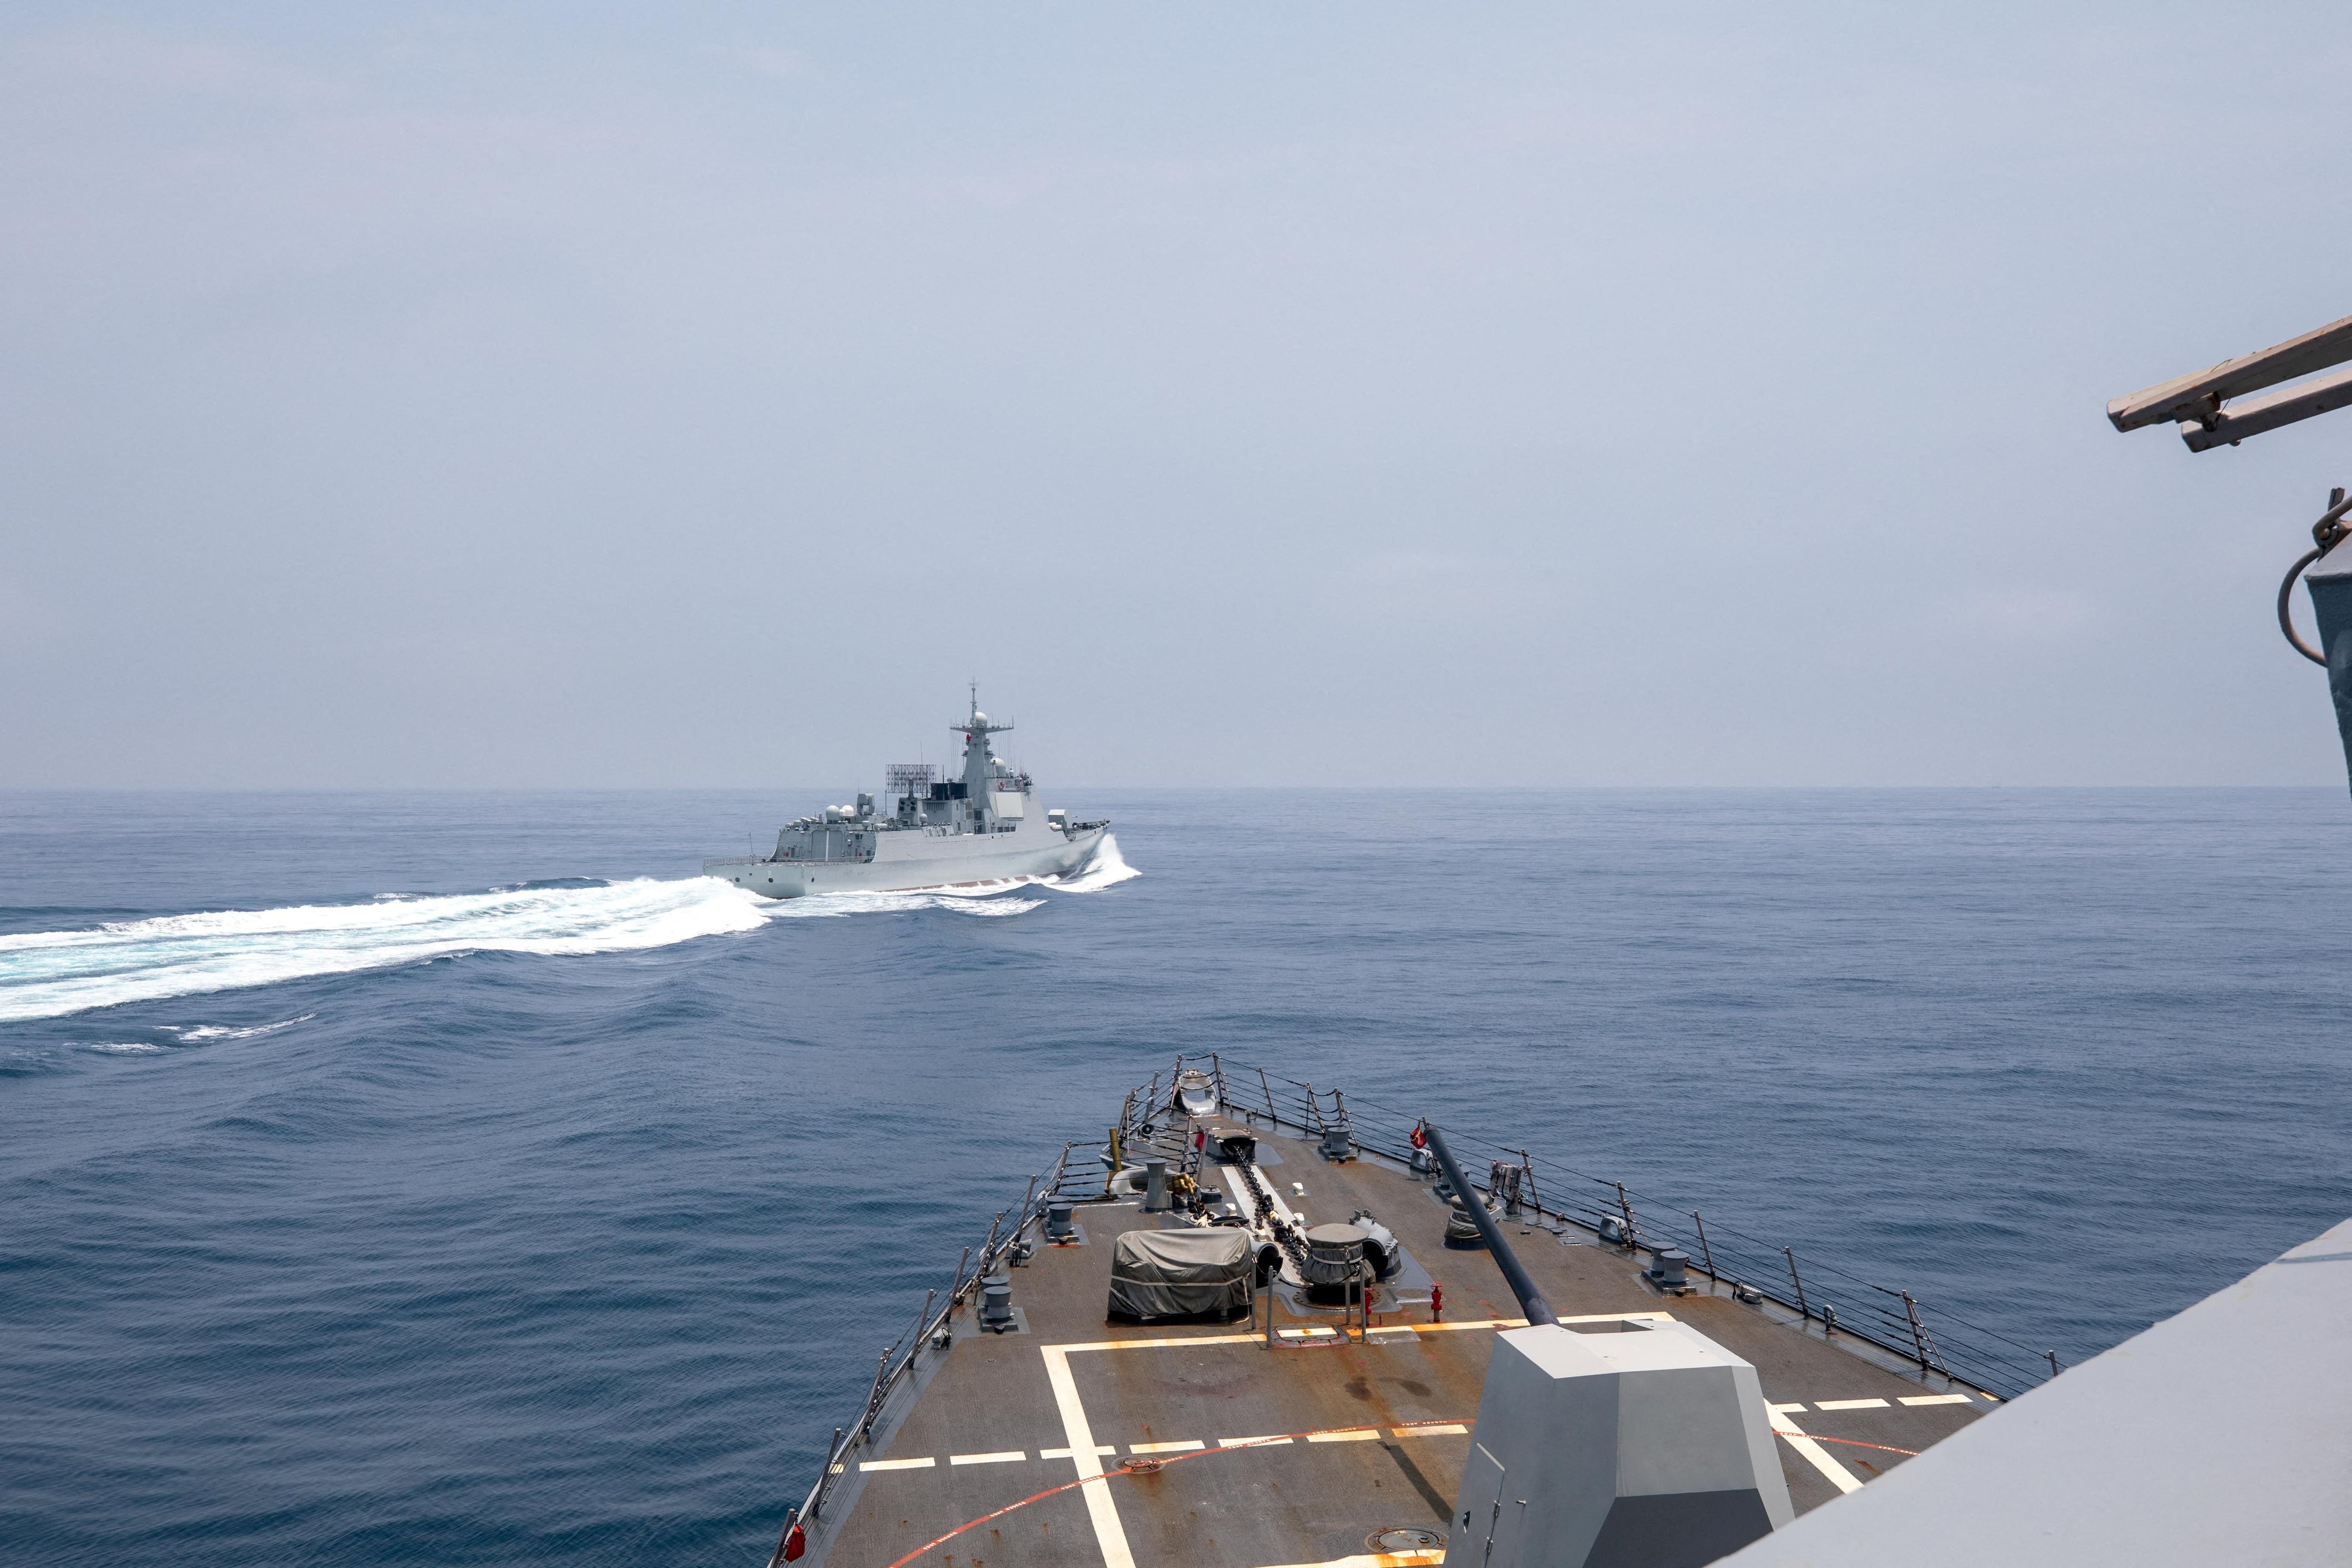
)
(450, 1178)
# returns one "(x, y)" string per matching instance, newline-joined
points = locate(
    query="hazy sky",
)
(701, 395)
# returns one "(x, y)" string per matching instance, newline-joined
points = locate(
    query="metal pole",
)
(921, 1318)
(955, 1286)
(1928, 1355)
(2054, 1368)
(873, 1395)
(1633, 1236)
(1705, 1250)
(1531, 1300)
(1268, 1087)
(1802, 1309)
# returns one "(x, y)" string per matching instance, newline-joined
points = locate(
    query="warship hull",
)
(910, 863)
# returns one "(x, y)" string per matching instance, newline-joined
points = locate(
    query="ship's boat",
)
(983, 829)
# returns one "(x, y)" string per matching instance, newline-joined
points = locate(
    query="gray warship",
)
(1181, 1354)
(978, 830)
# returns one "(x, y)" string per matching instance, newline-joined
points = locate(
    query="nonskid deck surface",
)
(1303, 1453)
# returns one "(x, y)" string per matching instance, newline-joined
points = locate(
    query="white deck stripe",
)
(1839, 1476)
(924, 1463)
(1781, 1409)
(1279, 1206)
(1010, 1455)
(1100, 1448)
(1433, 1429)
(1361, 1435)
(1239, 1189)
(1101, 1510)
(1934, 1399)
(1165, 1447)
(1850, 1404)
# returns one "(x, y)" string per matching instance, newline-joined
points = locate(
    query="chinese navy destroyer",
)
(982, 828)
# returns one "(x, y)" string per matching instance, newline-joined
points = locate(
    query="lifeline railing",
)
(900, 1358)
(1894, 1320)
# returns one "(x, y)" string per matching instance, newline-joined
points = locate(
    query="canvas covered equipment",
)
(1173, 1273)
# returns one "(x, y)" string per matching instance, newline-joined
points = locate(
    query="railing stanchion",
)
(1802, 1311)
(1705, 1251)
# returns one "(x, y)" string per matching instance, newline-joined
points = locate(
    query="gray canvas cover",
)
(1164, 1273)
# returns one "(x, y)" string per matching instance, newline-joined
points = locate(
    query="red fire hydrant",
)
(1437, 1301)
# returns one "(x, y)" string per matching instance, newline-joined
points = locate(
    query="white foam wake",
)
(1104, 869)
(48, 973)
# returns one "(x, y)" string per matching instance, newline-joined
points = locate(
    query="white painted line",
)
(1838, 1474)
(1934, 1399)
(924, 1463)
(1783, 1409)
(1433, 1429)
(1102, 1449)
(1165, 1447)
(1849, 1405)
(1379, 1559)
(1250, 1442)
(1361, 1434)
(1279, 1206)
(1236, 1185)
(1101, 1510)
(1010, 1455)
(1306, 1333)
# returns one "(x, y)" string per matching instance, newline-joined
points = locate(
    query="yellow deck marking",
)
(1101, 1510)
(924, 1463)
(1934, 1399)
(1009, 1455)
(1433, 1429)
(1849, 1405)
(1839, 1476)
(1165, 1447)
(1361, 1434)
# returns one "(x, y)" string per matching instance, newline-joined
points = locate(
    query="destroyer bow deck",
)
(1305, 1432)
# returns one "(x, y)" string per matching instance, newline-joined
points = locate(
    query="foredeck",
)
(1216, 1449)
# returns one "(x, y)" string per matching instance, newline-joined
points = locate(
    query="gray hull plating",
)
(956, 861)
(983, 827)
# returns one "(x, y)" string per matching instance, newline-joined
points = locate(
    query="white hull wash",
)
(983, 829)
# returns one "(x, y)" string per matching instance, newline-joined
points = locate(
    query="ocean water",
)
(454, 1179)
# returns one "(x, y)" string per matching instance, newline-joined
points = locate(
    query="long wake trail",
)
(49, 974)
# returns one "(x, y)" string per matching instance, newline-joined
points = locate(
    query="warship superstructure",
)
(983, 827)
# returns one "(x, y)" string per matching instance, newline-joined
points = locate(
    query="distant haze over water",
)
(399, 1178)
